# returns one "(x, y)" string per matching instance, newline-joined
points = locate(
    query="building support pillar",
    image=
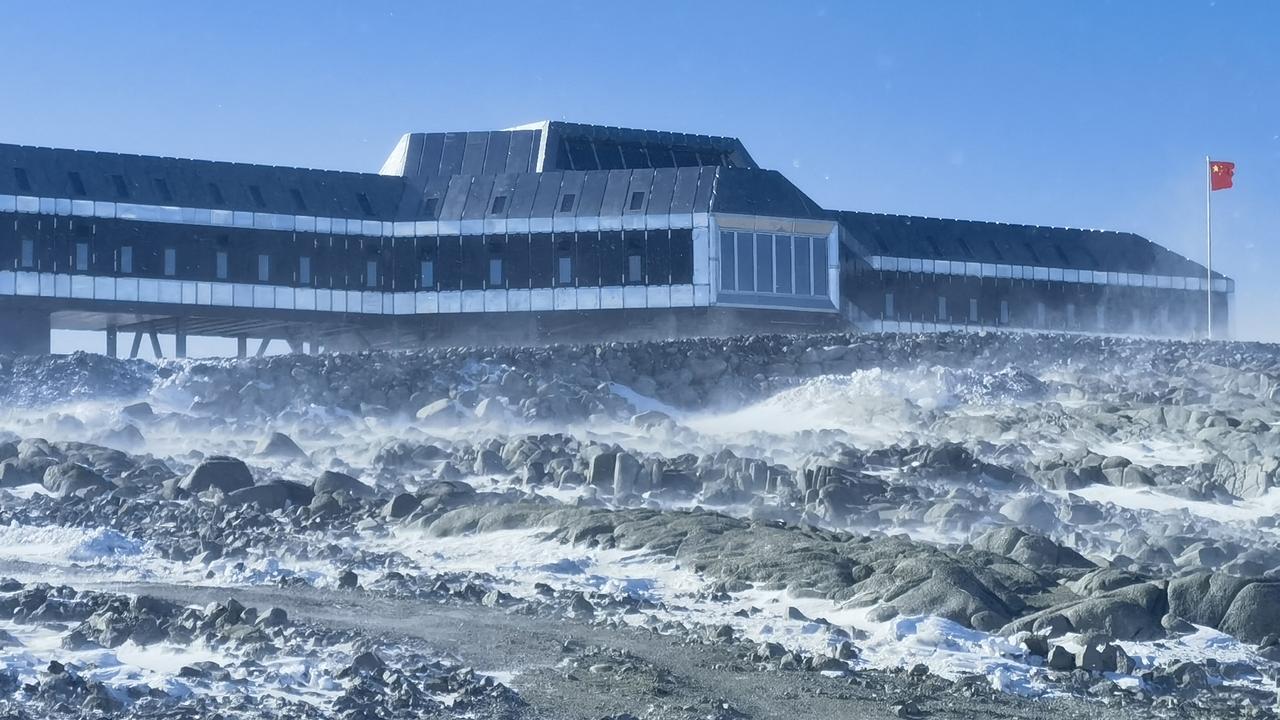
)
(137, 345)
(155, 343)
(242, 347)
(113, 341)
(179, 339)
(295, 346)
(262, 347)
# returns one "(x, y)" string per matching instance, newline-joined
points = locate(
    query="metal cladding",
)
(561, 222)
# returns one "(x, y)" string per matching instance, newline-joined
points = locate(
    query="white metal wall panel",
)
(588, 298)
(681, 296)
(518, 300)
(222, 294)
(8, 285)
(402, 303)
(426, 302)
(634, 296)
(472, 301)
(243, 295)
(28, 283)
(263, 297)
(495, 300)
(611, 297)
(62, 286)
(82, 287)
(565, 298)
(658, 296)
(284, 299)
(324, 300)
(540, 299)
(188, 293)
(450, 301)
(148, 290)
(701, 295)
(169, 291)
(701, 255)
(304, 299)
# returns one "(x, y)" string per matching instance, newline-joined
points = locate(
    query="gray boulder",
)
(69, 478)
(225, 474)
(279, 446)
(271, 496)
(332, 482)
(1254, 612)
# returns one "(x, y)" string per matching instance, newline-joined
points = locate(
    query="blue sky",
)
(1084, 113)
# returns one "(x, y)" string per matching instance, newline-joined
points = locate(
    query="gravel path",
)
(669, 677)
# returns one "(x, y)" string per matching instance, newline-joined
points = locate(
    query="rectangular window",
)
(299, 202)
(973, 310)
(820, 266)
(635, 269)
(746, 262)
(255, 192)
(427, 274)
(24, 182)
(888, 306)
(804, 270)
(28, 253)
(126, 259)
(371, 273)
(495, 272)
(82, 257)
(782, 260)
(366, 207)
(220, 265)
(264, 268)
(1071, 314)
(637, 201)
(728, 275)
(764, 262)
(942, 308)
(564, 271)
(1040, 313)
(1101, 319)
(566, 202)
(1004, 312)
(499, 205)
(304, 270)
(170, 262)
(162, 189)
(215, 195)
(122, 188)
(77, 183)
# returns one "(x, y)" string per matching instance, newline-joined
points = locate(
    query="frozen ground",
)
(1052, 520)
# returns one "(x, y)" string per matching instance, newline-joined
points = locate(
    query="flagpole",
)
(1208, 241)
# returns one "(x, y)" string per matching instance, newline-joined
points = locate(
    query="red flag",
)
(1220, 174)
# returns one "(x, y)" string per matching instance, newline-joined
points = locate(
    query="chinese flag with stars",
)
(1220, 174)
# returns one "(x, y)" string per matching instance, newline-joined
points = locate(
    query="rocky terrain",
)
(949, 525)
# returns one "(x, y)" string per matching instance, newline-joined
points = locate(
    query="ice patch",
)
(62, 545)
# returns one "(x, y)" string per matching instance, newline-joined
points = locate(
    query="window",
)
(24, 183)
(728, 275)
(264, 268)
(77, 183)
(764, 262)
(82, 256)
(162, 189)
(804, 270)
(304, 270)
(820, 267)
(371, 273)
(126, 259)
(566, 202)
(564, 271)
(495, 272)
(427, 274)
(215, 195)
(28, 253)
(499, 205)
(637, 201)
(1040, 314)
(366, 207)
(973, 310)
(429, 207)
(746, 262)
(782, 261)
(122, 188)
(635, 269)
(888, 305)
(299, 203)
(1101, 319)
(170, 262)
(1004, 312)
(220, 265)
(942, 307)
(1071, 314)
(255, 192)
